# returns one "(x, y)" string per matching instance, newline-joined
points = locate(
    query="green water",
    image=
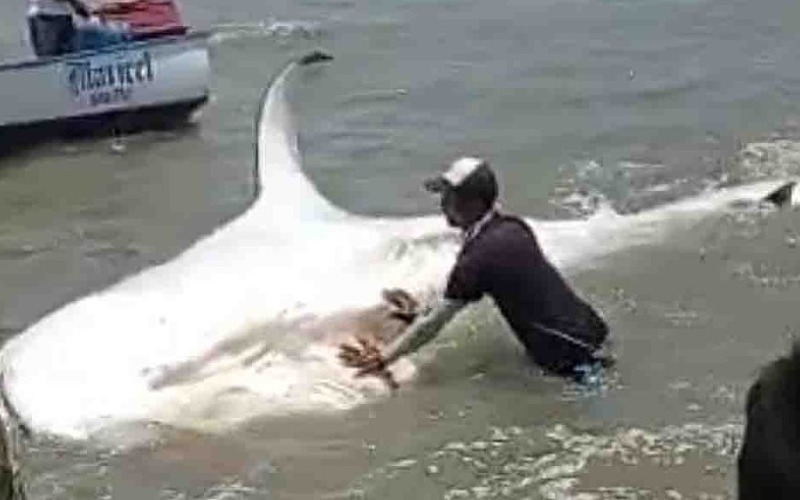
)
(542, 88)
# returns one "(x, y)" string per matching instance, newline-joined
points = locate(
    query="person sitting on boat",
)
(94, 33)
(52, 28)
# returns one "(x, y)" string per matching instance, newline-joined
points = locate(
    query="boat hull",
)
(122, 88)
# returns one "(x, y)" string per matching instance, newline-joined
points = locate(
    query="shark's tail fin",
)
(781, 196)
(278, 161)
(315, 56)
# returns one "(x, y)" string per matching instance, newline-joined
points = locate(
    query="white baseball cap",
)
(457, 174)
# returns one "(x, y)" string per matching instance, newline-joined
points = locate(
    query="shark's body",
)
(292, 257)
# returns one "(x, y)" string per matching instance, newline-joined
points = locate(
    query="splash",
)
(269, 28)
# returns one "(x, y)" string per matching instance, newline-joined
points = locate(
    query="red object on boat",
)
(145, 18)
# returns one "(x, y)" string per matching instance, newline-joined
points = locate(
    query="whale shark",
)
(238, 304)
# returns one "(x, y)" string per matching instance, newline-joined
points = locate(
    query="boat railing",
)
(46, 61)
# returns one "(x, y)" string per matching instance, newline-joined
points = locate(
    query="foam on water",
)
(560, 462)
(231, 307)
(270, 28)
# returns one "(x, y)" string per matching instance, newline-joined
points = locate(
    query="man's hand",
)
(366, 357)
(368, 360)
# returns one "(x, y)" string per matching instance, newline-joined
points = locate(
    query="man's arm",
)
(80, 8)
(423, 330)
(368, 359)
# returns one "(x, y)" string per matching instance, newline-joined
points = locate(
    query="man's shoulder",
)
(504, 232)
(508, 225)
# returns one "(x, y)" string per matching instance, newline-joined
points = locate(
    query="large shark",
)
(236, 307)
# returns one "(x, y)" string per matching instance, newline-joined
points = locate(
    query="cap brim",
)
(437, 184)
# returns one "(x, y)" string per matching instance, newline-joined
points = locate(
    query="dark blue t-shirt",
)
(504, 260)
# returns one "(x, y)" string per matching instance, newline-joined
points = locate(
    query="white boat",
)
(157, 78)
(124, 86)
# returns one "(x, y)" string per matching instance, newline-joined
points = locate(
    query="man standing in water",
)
(500, 257)
(52, 29)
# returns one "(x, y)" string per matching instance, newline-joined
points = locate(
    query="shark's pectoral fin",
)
(781, 196)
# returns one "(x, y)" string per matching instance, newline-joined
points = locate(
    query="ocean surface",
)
(584, 107)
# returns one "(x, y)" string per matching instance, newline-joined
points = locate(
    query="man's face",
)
(451, 209)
